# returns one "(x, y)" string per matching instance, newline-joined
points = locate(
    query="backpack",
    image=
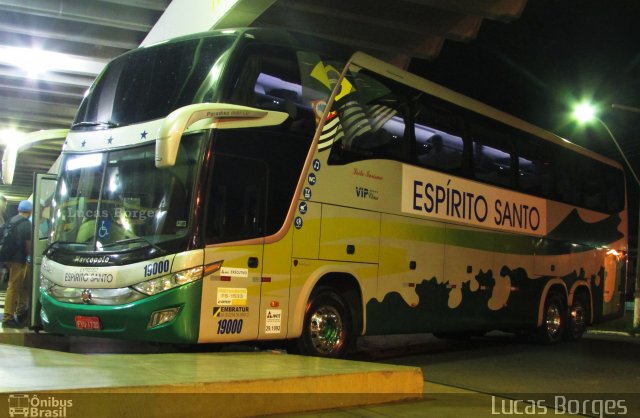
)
(9, 239)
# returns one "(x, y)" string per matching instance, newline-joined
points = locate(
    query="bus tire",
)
(578, 318)
(554, 320)
(327, 327)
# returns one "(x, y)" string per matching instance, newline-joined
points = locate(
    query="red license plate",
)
(88, 322)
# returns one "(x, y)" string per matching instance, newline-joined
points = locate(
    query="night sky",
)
(558, 51)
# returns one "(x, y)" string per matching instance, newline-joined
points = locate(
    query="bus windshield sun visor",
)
(207, 116)
(105, 125)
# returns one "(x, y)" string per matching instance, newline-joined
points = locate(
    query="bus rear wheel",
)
(553, 319)
(579, 315)
(327, 326)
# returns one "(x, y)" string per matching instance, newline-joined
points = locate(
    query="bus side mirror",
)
(9, 163)
(33, 139)
(207, 116)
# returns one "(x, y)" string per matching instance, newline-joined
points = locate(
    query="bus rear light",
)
(614, 253)
(162, 317)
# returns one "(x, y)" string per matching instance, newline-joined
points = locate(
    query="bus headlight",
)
(45, 284)
(160, 284)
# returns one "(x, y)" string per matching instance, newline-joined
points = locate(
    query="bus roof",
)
(294, 39)
(273, 36)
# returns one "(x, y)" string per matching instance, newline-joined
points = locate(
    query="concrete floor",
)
(229, 384)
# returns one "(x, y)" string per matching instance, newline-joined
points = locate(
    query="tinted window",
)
(265, 159)
(149, 83)
(614, 191)
(438, 135)
(491, 155)
(569, 178)
(237, 199)
(370, 120)
(589, 183)
(270, 79)
(535, 166)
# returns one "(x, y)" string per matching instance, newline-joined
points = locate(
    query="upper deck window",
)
(491, 155)
(149, 83)
(281, 79)
(373, 115)
(438, 133)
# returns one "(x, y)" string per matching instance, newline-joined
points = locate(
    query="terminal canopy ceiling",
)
(51, 50)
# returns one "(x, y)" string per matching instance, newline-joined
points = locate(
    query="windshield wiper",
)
(107, 124)
(56, 243)
(134, 239)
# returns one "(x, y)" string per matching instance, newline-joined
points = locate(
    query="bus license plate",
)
(88, 322)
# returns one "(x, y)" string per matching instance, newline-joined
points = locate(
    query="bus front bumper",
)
(129, 321)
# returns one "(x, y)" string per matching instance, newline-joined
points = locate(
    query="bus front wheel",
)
(327, 326)
(553, 319)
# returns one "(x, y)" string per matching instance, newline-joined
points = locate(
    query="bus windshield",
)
(150, 83)
(118, 200)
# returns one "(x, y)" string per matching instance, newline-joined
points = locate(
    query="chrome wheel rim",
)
(553, 321)
(326, 330)
(578, 316)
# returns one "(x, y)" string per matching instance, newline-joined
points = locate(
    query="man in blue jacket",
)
(15, 304)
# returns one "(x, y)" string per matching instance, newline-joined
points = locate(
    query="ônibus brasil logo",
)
(22, 405)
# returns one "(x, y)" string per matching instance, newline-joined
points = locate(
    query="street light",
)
(585, 113)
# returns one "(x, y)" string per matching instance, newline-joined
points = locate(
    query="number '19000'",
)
(156, 268)
(230, 326)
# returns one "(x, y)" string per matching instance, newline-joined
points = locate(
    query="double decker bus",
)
(238, 186)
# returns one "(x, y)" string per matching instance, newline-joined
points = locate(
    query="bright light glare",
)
(84, 161)
(584, 112)
(614, 253)
(10, 136)
(32, 61)
(113, 183)
(36, 62)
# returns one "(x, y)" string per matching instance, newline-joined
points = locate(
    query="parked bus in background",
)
(239, 185)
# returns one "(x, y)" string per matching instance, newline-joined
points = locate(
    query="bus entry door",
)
(231, 296)
(44, 186)
(236, 225)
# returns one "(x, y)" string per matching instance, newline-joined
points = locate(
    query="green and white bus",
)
(240, 186)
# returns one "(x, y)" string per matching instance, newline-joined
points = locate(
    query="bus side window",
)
(614, 186)
(569, 178)
(373, 121)
(491, 155)
(237, 199)
(270, 79)
(593, 189)
(439, 144)
(535, 166)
